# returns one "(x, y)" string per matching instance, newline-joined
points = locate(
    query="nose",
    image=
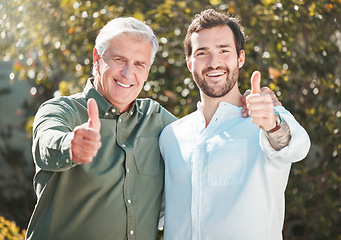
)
(128, 71)
(214, 61)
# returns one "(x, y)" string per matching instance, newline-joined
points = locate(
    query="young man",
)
(225, 175)
(99, 170)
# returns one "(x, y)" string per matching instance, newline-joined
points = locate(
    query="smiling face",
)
(214, 61)
(122, 70)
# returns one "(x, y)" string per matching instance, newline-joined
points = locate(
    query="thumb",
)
(93, 121)
(255, 82)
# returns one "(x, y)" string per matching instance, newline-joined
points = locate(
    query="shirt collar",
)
(221, 112)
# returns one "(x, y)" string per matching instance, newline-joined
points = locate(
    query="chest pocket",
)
(147, 156)
(227, 162)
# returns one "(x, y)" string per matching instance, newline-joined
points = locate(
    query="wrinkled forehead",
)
(130, 47)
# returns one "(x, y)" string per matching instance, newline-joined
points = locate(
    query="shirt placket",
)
(127, 185)
(197, 164)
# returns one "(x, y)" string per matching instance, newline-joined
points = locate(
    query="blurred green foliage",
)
(296, 44)
(10, 231)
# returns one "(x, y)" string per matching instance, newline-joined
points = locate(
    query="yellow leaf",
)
(272, 86)
(312, 9)
(231, 8)
(139, 16)
(182, 4)
(268, 2)
(215, 2)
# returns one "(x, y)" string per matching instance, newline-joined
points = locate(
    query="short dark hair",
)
(211, 18)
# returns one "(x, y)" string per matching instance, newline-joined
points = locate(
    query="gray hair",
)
(115, 28)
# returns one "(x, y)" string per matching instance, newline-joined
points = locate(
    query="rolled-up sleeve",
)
(298, 146)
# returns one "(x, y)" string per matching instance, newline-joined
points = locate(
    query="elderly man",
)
(99, 173)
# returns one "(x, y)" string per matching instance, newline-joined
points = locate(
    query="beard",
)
(217, 90)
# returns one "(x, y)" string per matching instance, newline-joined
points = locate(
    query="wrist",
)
(278, 122)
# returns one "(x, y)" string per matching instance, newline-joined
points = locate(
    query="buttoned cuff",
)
(65, 158)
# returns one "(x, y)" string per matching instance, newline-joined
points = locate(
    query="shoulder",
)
(64, 101)
(148, 106)
(186, 121)
(62, 107)
(182, 125)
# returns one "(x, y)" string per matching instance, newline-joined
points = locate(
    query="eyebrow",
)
(114, 55)
(217, 46)
(224, 46)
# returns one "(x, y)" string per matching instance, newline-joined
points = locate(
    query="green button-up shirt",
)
(117, 195)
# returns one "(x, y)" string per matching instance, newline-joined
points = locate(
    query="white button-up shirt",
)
(225, 181)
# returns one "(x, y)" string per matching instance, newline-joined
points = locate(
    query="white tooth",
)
(214, 74)
(122, 85)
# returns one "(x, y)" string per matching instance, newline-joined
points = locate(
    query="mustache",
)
(206, 70)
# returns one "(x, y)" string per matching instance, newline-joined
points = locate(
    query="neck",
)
(210, 105)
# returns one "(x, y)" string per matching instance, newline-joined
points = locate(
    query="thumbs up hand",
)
(260, 105)
(263, 90)
(86, 137)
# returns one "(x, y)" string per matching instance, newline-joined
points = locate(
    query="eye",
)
(118, 59)
(140, 65)
(200, 54)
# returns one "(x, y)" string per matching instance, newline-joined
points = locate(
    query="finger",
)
(80, 154)
(93, 121)
(244, 111)
(86, 143)
(87, 133)
(259, 99)
(275, 101)
(258, 113)
(264, 123)
(255, 82)
(247, 93)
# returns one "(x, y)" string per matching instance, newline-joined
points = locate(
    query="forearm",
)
(51, 151)
(280, 138)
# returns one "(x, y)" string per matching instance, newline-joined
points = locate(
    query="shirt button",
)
(113, 110)
(129, 201)
(131, 232)
(106, 114)
(120, 120)
(128, 170)
(123, 145)
(67, 160)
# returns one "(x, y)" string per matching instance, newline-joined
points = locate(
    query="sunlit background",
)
(46, 51)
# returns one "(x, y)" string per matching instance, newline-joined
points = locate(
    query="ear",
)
(96, 59)
(95, 56)
(189, 63)
(241, 59)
